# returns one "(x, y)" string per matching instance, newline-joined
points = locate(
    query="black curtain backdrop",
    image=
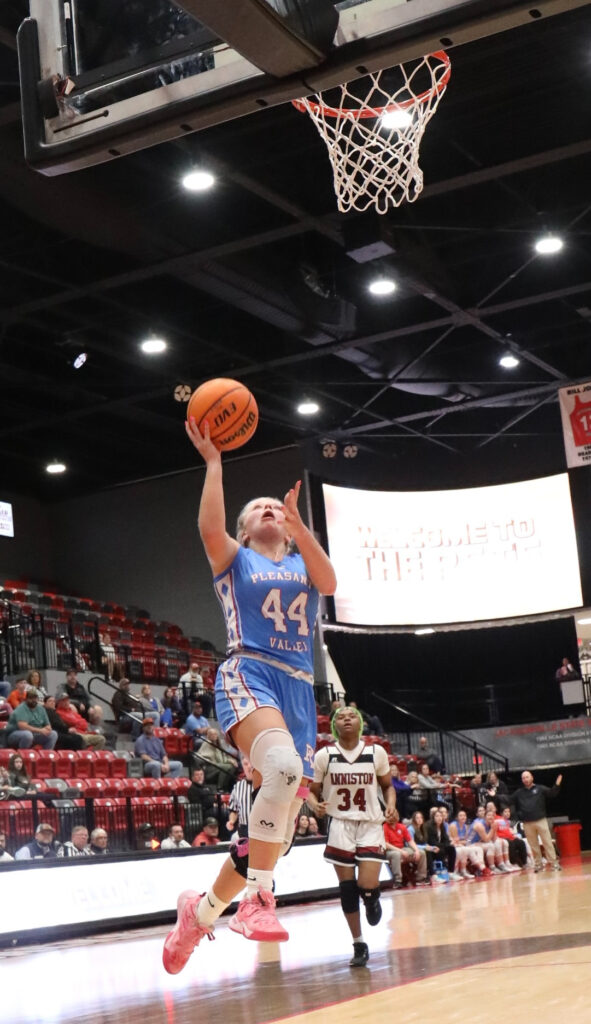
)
(461, 679)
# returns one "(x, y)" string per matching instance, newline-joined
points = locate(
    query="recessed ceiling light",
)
(424, 632)
(509, 362)
(584, 622)
(395, 118)
(80, 360)
(382, 286)
(153, 345)
(198, 181)
(549, 244)
(308, 408)
(55, 467)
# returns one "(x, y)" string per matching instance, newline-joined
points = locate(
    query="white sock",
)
(210, 908)
(256, 880)
(358, 939)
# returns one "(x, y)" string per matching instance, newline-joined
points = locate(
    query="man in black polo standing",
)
(529, 803)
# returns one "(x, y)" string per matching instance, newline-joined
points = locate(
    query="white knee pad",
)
(273, 755)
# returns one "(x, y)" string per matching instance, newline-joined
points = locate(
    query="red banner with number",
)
(575, 409)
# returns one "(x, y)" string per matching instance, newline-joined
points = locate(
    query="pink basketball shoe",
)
(186, 934)
(255, 919)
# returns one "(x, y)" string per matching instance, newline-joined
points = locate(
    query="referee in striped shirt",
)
(241, 801)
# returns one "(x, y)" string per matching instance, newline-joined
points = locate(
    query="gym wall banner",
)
(575, 409)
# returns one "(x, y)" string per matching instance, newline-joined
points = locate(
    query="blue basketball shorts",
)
(244, 684)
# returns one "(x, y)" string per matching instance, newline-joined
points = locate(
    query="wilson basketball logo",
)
(230, 410)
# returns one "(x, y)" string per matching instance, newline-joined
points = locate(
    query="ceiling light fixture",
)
(548, 245)
(55, 467)
(308, 408)
(152, 346)
(508, 362)
(382, 286)
(424, 632)
(80, 360)
(584, 622)
(198, 180)
(398, 118)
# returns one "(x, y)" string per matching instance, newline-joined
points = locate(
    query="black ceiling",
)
(254, 280)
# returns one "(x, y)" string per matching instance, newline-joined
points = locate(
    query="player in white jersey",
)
(348, 779)
(264, 690)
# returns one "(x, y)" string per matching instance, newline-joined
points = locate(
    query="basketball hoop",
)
(373, 134)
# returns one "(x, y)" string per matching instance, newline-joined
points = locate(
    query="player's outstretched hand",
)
(293, 519)
(202, 442)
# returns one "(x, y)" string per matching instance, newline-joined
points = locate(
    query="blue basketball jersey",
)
(270, 607)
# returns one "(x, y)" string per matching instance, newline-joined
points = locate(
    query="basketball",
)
(229, 408)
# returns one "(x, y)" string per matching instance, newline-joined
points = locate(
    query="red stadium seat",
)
(103, 761)
(131, 787)
(163, 814)
(5, 755)
(111, 814)
(47, 765)
(97, 788)
(84, 764)
(81, 785)
(142, 809)
(149, 786)
(117, 787)
(67, 763)
(17, 816)
(323, 723)
(30, 760)
(118, 766)
(379, 741)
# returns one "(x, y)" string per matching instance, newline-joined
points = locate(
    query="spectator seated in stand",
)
(418, 797)
(77, 845)
(175, 839)
(5, 689)
(18, 777)
(172, 711)
(441, 846)
(307, 827)
(151, 750)
(220, 766)
(95, 720)
(73, 720)
(4, 856)
(67, 737)
(99, 843)
(209, 836)
(150, 706)
(494, 789)
(76, 693)
(127, 710)
(193, 686)
(467, 850)
(146, 838)
(29, 726)
(35, 679)
(518, 833)
(43, 845)
(429, 756)
(199, 793)
(196, 725)
(517, 847)
(19, 694)
(402, 788)
(401, 848)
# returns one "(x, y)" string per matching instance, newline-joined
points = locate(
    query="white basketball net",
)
(373, 142)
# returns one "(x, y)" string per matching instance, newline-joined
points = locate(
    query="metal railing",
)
(459, 754)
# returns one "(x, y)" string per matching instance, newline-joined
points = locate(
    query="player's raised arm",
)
(220, 548)
(318, 564)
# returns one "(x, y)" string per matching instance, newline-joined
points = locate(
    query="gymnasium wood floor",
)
(511, 948)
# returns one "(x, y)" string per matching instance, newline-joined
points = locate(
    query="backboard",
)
(99, 81)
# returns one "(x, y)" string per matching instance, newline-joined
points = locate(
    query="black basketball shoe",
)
(373, 907)
(360, 954)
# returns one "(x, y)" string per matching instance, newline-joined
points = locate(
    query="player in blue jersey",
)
(267, 580)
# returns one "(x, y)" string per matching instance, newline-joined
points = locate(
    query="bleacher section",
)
(41, 628)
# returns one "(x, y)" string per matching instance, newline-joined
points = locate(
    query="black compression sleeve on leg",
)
(349, 896)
